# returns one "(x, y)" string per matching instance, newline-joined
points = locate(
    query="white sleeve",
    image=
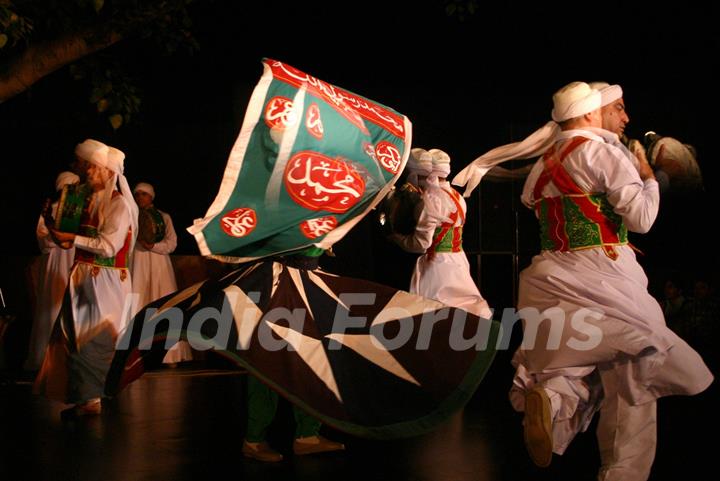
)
(111, 237)
(169, 242)
(420, 240)
(527, 197)
(44, 240)
(636, 201)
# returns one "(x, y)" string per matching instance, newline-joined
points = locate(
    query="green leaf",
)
(98, 4)
(3, 40)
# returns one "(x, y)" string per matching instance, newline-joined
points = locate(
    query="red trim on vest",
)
(555, 209)
(457, 238)
(446, 226)
(121, 257)
(555, 172)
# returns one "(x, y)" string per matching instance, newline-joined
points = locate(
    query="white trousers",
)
(626, 434)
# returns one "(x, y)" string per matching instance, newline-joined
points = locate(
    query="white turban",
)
(573, 100)
(112, 159)
(145, 187)
(440, 162)
(100, 154)
(66, 178)
(609, 93)
(92, 151)
(419, 163)
(115, 160)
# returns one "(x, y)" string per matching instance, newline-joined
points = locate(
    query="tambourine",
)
(151, 225)
(676, 159)
(72, 202)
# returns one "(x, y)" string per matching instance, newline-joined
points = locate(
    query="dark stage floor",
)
(188, 423)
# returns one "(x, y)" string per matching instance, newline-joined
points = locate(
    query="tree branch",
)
(44, 58)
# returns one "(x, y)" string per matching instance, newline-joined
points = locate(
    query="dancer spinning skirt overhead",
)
(311, 160)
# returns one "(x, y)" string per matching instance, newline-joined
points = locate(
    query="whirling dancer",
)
(593, 337)
(310, 161)
(442, 272)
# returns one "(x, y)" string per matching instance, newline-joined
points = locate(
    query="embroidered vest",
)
(88, 228)
(448, 238)
(575, 219)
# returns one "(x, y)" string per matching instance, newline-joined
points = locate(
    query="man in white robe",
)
(594, 338)
(613, 342)
(153, 275)
(97, 300)
(442, 272)
(54, 267)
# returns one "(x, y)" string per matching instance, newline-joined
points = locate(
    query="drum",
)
(400, 210)
(151, 225)
(677, 160)
(73, 199)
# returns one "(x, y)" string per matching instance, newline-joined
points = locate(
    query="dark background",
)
(466, 86)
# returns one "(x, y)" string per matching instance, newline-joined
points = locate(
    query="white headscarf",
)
(573, 100)
(608, 93)
(66, 178)
(112, 159)
(419, 163)
(440, 165)
(145, 187)
(92, 151)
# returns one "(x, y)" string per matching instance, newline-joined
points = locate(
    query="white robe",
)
(82, 343)
(154, 277)
(446, 276)
(629, 335)
(53, 271)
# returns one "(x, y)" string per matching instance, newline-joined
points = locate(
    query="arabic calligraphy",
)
(388, 155)
(313, 228)
(352, 106)
(239, 222)
(279, 113)
(313, 122)
(318, 182)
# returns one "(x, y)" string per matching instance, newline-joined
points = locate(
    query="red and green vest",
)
(88, 228)
(447, 237)
(575, 219)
